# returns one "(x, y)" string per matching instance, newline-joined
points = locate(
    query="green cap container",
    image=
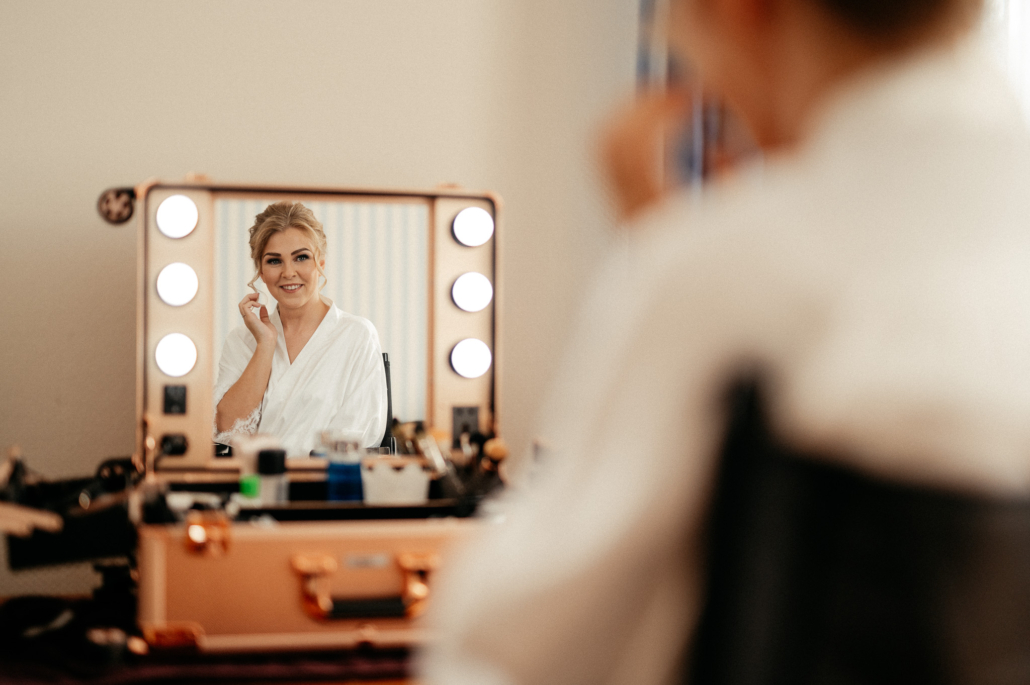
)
(250, 486)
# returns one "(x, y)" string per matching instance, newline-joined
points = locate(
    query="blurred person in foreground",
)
(875, 275)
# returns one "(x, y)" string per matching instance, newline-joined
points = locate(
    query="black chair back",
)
(818, 574)
(388, 439)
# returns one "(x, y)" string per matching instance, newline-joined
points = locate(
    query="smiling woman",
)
(306, 366)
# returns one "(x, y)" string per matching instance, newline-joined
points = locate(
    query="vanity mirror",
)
(422, 267)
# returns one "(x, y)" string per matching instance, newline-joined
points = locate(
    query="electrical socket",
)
(463, 420)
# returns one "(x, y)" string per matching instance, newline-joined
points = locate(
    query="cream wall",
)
(494, 94)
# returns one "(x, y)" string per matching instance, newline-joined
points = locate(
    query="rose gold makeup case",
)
(221, 586)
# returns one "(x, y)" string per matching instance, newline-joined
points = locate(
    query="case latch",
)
(416, 568)
(316, 572)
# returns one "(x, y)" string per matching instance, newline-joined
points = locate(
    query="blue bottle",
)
(344, 476)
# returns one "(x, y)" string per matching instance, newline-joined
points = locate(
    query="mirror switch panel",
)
(464, 420)
(175, 399)
(174, 445)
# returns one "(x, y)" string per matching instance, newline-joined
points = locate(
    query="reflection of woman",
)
(874, 276)
(307, 366)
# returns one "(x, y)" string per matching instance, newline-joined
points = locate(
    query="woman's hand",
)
(246, 393)
(633, 149)
(255, 316)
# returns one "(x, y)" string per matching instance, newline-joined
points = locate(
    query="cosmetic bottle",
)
(343, 474)
(275, 484)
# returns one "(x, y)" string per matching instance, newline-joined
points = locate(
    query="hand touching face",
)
(255, 316)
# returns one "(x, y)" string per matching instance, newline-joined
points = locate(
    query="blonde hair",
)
(278, 217)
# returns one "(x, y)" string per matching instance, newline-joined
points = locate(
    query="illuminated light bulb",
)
(177, 284)
(473, 226)
(472, 292)
(177, 216)
(176, 355)
(471, 358)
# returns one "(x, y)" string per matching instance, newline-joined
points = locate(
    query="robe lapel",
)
(286, 376)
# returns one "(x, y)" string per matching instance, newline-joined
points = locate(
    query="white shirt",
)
(337, 382)
(879, 277)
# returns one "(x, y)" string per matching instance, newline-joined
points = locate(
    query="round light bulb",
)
(471, 358)
(472, 292)
(176, 355)
(473, 226)
(177, 284)
(177, 216)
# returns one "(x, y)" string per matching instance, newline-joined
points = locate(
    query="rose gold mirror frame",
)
(447, 324)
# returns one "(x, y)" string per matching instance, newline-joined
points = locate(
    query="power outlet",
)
(463, 420)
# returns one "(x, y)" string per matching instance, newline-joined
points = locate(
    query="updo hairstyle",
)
(278, 217)
(889, 21)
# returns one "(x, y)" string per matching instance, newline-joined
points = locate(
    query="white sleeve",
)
(236, 354)
(593, 577)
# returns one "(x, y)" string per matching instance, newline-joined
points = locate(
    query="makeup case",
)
(264, 585)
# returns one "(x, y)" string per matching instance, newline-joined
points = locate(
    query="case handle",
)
(316, 572)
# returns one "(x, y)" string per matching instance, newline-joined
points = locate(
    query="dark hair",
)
(893, 19)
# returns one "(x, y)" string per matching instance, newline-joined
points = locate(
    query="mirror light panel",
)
(177, 216)
(473, 226)
(471, 358)
(176, 355)
(472, 292)
(177, 284)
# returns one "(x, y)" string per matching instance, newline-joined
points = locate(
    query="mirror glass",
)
(377, 265)
(400, 281)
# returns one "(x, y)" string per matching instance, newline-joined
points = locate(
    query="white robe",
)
(337, 382)
(879, 276)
